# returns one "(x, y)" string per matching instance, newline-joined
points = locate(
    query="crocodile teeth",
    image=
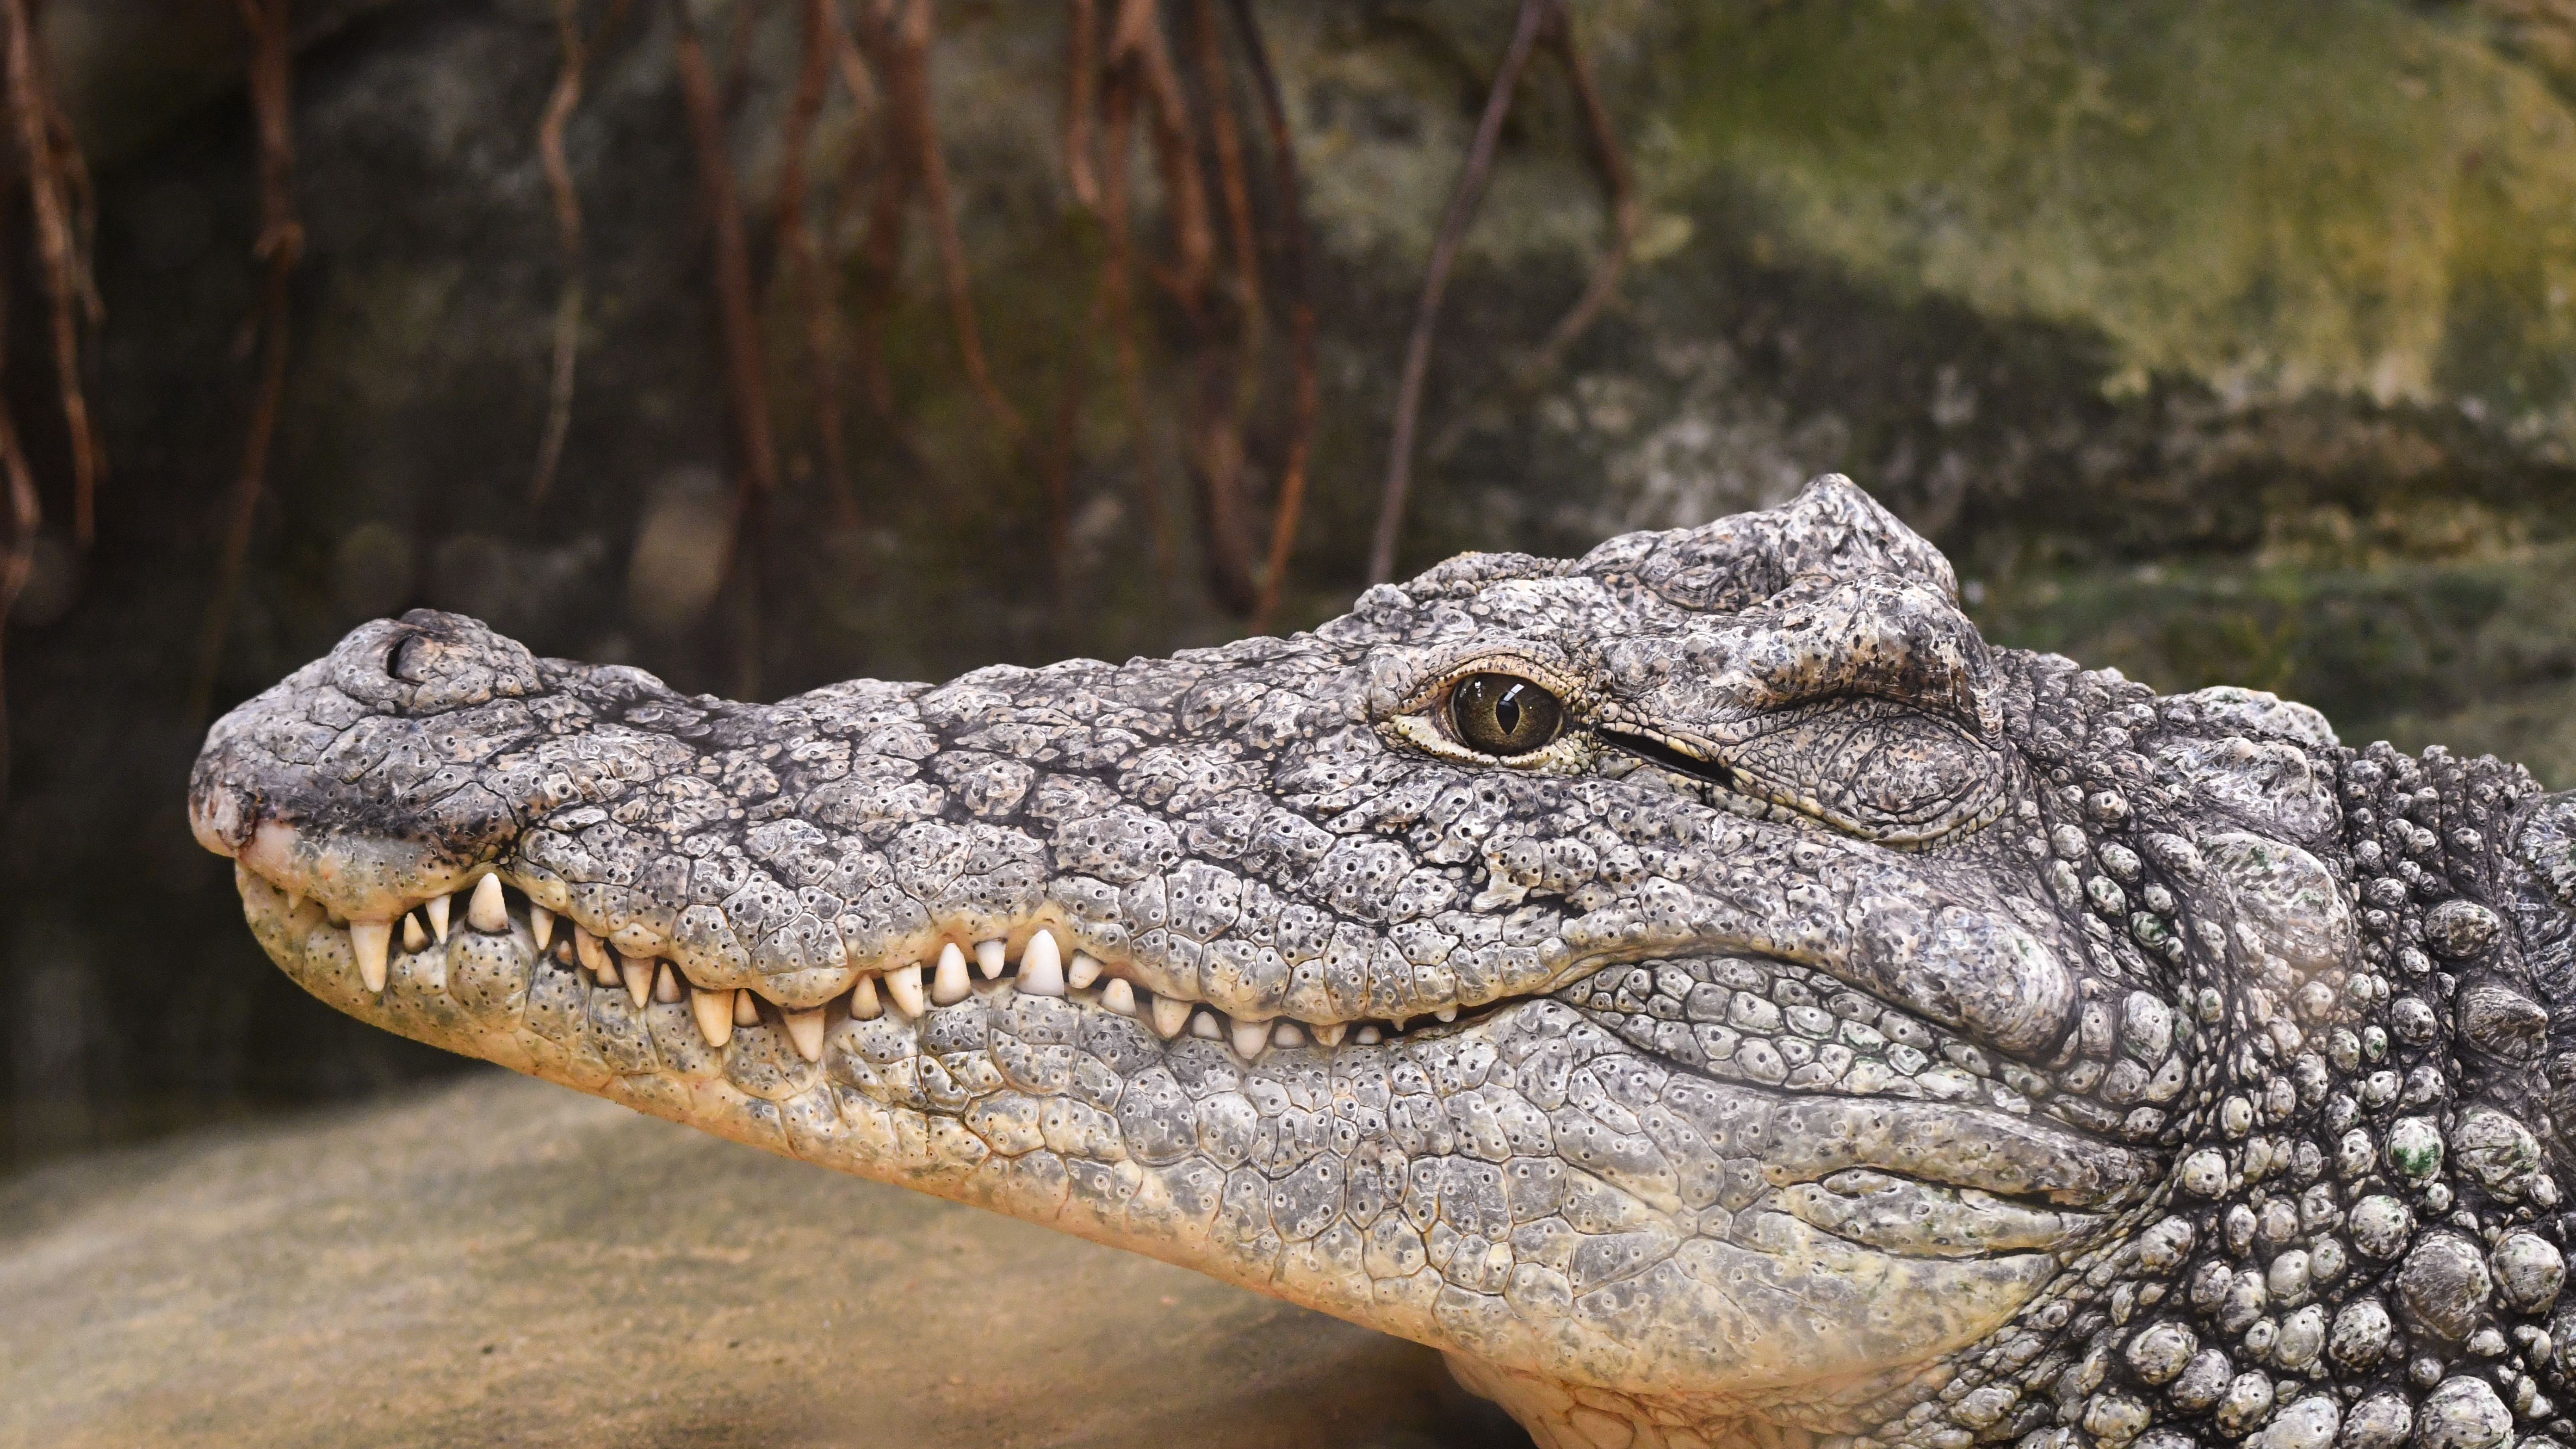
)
(714, 1011)
(1169, 1015)
(438, 917)
(1287, 1034)
(1331, 1035)
(746, 1012)
(414, 938)
(1203, 1026)
(949, 986)
(666, 987)
(370, 940)
(485, 912)
(1042, 967)
(1249, 1038)
(1446, 1013)
(863, 1000)
(639, 977)
(1366, 1036)
(1117, 996)
(593, 954)
(904, 985)
(541, 924)
(805, 1029)
(1081, 971)
(990, 957)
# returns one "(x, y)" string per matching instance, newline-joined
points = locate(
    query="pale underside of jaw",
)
(1785, 1041)
(1035, 965)
(1823, 1190)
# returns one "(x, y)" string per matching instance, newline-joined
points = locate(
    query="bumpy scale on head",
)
(1701, 987)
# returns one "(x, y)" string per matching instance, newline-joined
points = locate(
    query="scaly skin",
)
(1840, 1030)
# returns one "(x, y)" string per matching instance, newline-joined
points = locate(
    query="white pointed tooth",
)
(593, 954)
(1367, 1036)
(949, 985)
(904, 985)
(563, 952)
(991, 956)
(1446, 1013)
(438, 916)
(414, 938)
(541, 924)
(1168, 1015)
(294, 902)
(714, 1011)
(805, 1028)
(1082, 970)
(1203, 1026)
(746, 1011)
(370, 940)
(666, 987)
(1117, 996)
(1331, 1035)
(1288, 1034)
(639, 977)
(1249, 1038)
(1042, 967)
(485, 911)
(863, 1000)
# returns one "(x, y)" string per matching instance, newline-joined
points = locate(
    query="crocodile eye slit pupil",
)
(1504, 714)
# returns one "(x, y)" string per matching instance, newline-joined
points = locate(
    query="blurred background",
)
(765, 343)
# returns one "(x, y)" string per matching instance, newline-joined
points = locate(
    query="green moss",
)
(2266, 197)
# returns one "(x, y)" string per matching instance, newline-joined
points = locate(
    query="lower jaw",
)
(870, 1103)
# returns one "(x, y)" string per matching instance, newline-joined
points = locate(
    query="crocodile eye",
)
(1504, 714)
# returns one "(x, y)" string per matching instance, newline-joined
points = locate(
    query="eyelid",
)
(1555, 680)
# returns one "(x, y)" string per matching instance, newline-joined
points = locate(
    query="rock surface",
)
(498, 1261)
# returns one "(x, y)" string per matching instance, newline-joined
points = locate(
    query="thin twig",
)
(1231, 182)
(1229, 377)
(881, 251)
(1118, 297)
(568, 307)
(1444, 256)
(908, 80)
(280, 246)
(743, 373)
(67, 290)
(1081, 96)
(1619, 197)
(805, 255)
(1610, 163)
(18, 561)
(1301, 324)
(1138, 51)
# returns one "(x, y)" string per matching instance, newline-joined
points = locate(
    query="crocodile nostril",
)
(400, 659)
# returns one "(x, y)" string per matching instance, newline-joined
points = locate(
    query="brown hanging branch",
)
(59, 211)
(746, 381)
(55, 180)
(817, 298)
(1301, 317)
(560, 105)
(1619, 194)
(1444, 256)
(280, 247)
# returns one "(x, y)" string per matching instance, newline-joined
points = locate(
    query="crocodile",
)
(1701, 988)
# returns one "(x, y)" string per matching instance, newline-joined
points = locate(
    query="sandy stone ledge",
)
(499, 1261)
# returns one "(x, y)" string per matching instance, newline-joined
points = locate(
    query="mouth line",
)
(1919, 1173)
(1028, 959)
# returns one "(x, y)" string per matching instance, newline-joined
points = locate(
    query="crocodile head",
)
(1700, 987)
